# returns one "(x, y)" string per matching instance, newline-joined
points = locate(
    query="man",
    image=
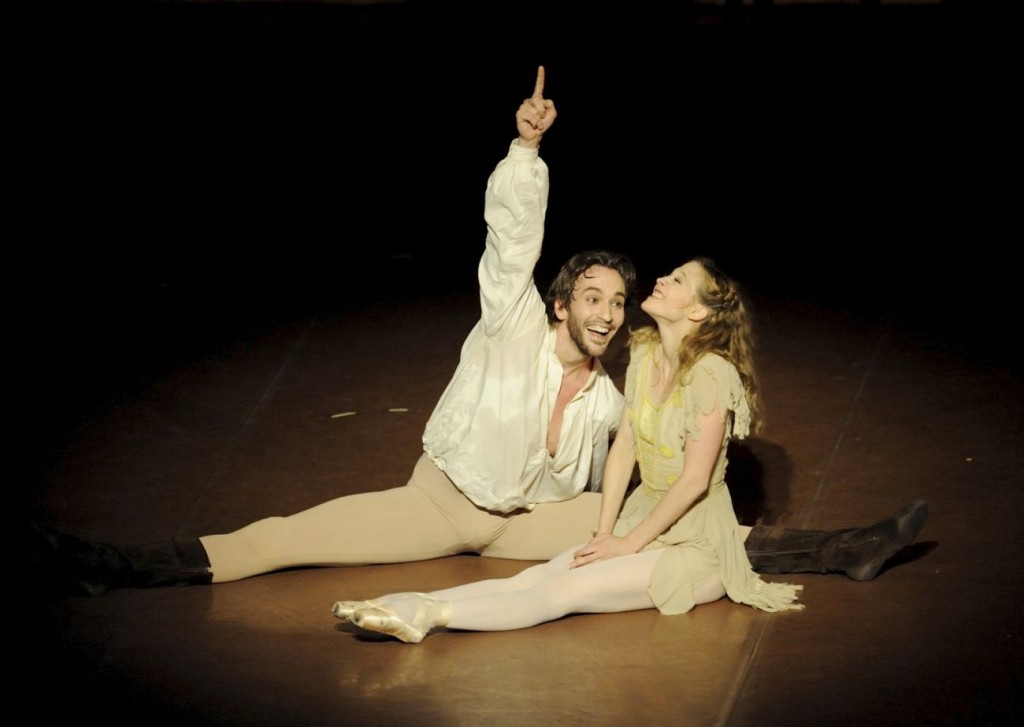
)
(514, 450)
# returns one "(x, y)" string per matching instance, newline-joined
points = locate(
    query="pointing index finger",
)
(538, 89)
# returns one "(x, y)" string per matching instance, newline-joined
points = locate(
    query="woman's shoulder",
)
(713, 372)
(715, 383)
(713, 363)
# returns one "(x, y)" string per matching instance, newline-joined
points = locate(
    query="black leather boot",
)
(858, 552)
(91, 569)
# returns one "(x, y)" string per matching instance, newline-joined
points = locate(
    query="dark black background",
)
(179, 172)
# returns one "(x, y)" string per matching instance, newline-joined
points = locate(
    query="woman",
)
(675, 543)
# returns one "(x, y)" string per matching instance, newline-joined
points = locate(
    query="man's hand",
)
(535, 115)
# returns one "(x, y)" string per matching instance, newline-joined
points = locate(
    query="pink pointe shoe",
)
(430, 614)
(345, 610)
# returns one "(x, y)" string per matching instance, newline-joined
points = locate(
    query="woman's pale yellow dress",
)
(706, 542)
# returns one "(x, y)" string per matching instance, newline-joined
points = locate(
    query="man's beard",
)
(577, 331)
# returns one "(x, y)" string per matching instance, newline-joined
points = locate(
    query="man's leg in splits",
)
(859, 553)
(427, 518)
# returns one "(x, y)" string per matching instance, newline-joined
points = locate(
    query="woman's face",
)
(675, 295)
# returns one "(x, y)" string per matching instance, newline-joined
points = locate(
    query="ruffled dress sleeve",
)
(715, 383)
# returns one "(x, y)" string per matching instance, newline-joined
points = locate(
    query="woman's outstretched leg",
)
(524, 579)
(610, 586)
(345, 610)
(542, 593)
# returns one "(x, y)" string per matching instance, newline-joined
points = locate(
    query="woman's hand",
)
(601, 547)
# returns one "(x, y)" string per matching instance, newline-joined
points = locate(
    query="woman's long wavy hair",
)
(727, 330)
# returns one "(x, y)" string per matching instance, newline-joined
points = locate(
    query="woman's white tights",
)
(551, 590)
